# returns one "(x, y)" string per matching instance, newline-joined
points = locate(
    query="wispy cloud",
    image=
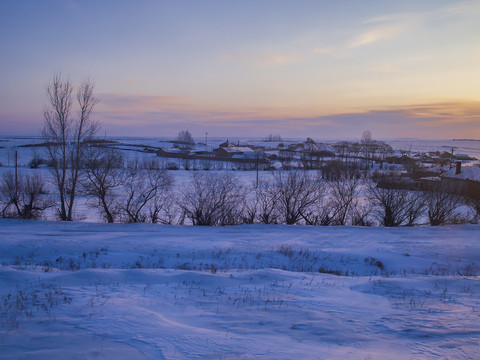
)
(448, 112)
(369, 32)
(464, 8)
(122, 102)
(436, 120)
(376, 34)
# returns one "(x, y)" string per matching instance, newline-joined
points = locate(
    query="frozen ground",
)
(83, 290)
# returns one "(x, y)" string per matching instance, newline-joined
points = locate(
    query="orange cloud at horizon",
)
(457, 118)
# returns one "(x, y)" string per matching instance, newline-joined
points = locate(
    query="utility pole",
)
(453, 158)
(16, 173)
(256, 158)
(206, 138)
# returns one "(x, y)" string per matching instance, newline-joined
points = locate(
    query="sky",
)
(320, 68)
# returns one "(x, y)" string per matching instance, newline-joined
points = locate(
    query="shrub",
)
(171, 165)
(36, 162)
(214, 199)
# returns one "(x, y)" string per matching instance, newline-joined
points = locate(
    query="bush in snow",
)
(24, 196)
(214, 199)
(395, 204)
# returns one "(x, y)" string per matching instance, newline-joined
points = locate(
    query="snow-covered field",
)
(133, 291)
(10, 144)
(143, 291)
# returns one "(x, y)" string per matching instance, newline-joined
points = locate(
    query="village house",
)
(226, 144)
(172, 153)
(235, 152)
(464, 180)
(463, 157)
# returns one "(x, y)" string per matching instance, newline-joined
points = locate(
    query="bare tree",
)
(23, 196)
(103, 175)
(310, 159)
(361, 213)
(334, 170)
(185, 137)
(142, 189)
(442, 205)
(396, 204)
(250, 208)
(267, 201)
(164, 208)
(297, 192)
(366, 146)
(187, 163)
(384, 150)
(343, 194)
(214, 199)
(474, 204)
(287, 159)
(273, 138)
(415, 209)
(342, 150)
(261, 205)
(66, 138)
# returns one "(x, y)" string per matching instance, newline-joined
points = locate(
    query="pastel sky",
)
(320, 68)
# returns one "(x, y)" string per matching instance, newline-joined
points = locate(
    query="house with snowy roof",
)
(171, 152)
(463, 179)
(235, 152)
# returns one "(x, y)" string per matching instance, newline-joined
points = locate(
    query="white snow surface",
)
(143, 291)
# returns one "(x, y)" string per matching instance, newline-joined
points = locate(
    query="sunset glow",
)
(326, 69)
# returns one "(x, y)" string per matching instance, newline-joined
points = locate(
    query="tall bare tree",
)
(67, 137)
(366, 145)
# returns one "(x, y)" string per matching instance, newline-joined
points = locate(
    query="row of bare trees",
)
(298, 197)
(143, 192)
(350, 157)
(367, 150)
(404, 207)
(137, 192)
